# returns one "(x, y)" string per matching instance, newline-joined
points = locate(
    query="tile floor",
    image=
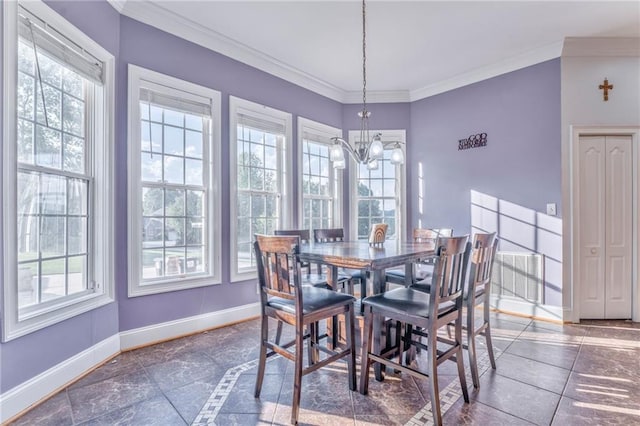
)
(547, 374)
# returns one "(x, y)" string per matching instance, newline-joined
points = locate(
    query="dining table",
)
(372, 259)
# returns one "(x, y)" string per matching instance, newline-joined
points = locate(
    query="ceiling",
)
(414, 48)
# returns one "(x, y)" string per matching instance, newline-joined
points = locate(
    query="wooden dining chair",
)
(477, 293)
(284, 298)
(428, 311)
(423, 270)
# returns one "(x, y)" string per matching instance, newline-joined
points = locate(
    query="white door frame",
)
(574, 215)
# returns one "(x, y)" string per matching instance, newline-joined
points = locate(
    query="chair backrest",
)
(482, 257)
(277, 261)
(330, 235)
(422, 235)
(304, 234)
(450, 270)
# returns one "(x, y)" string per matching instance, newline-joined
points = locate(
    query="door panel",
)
(591, 163)
(618, 219)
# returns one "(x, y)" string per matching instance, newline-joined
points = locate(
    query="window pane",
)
(174, 231)
(152, 263)
(193, 172)
(173, 140)
(174, 202)
(151, 134)
(52, 236)
(53, 194)
(28, 284)
(193, 122)
(73, 154)
(72, 83)
(195, 231)
(195, 259)
(73, 115)
(25, 141)
(174, 261)
(26, 96)
(152, 232)
(174, 118)
(77, 235)
(194, 203)
(77, 274)
(152, 202)
(53, 102)
(173, 169)
(48, 147)
(53, 279)
(193, 142)
(77, 202)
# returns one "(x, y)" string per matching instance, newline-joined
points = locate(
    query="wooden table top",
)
(360, 255)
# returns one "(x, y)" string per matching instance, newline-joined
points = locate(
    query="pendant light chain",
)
(364, 59)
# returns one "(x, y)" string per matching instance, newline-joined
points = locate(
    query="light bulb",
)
(397, 156)
(336, 153)
(373, 164)
(376, 149)
(339, 164)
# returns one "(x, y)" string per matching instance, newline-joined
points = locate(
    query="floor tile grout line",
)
(568, 378)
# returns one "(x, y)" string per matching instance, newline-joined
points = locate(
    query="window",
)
(379, 195)
(57, 115)
(321, 184)
(174, 160)
(260, 159)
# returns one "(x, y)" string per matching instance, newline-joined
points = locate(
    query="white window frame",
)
(177, 88)
(285, 157)
(101, 159)
(325, 133)
(401, 186)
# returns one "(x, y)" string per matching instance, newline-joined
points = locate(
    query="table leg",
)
(378, 277)
(332, 323)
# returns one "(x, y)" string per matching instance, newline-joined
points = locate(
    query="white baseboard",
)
(526, 308)
(44, 384)
(158, 332)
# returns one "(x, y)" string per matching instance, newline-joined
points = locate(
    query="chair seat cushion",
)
(313, 299)
(407, 301)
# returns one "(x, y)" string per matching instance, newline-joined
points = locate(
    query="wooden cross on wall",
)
(606, 87)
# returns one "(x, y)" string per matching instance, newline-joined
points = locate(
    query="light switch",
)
(551, 209)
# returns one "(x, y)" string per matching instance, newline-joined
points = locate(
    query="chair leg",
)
(279, 332)
(460, 358)
(351, 344)
(471, 347)
(432, 370)
(487, 334)
(297, 379)
(312, 346)
(365, 363)
(264, 335)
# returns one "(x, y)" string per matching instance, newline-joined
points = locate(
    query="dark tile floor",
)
(547, 374)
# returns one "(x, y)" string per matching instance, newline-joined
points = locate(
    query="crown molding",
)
(514, 63)
(601, 46)
(151, 13)
(376, 96)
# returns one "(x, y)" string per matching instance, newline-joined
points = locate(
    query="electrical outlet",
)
(551, 209)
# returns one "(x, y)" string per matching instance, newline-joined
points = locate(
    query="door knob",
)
(594, 251)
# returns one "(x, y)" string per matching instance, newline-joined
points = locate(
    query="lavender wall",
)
(520, 112)
(27, 356)
(511, 179)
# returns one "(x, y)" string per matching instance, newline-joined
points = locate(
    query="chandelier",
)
(366, 150)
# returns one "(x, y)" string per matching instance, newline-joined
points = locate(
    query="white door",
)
(605, 187)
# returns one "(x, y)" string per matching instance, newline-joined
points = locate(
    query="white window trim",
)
(328, 132)
(214, 224)
(401, 184)
(285, 178)
(103, 245)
